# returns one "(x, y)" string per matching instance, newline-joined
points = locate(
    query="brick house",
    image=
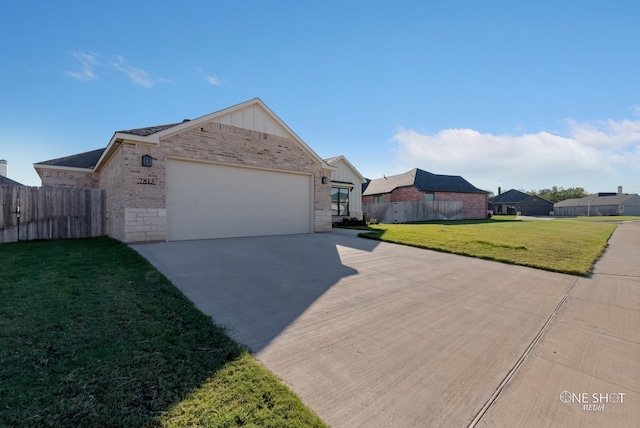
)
(418, 185)
(240, 171)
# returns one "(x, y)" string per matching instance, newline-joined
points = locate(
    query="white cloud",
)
(137, 75)
(212, 79)
(592, 155)
(88, 62)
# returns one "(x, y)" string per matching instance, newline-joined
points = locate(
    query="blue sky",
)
(523, 95)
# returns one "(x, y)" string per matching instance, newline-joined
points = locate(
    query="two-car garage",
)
(210, 200)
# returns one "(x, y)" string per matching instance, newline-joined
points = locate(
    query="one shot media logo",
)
(592, 401)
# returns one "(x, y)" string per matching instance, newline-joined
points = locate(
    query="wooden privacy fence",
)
(405, 212)
(50, 213)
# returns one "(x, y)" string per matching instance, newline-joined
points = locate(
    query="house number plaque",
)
(147, 181)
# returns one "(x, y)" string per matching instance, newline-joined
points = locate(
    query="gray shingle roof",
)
(422, 180)
(511, 196)
(144, 132)
(80, 160)
(90, 159)
(5, 181)
(595, 200)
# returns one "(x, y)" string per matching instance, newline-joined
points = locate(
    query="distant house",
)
(600, 204)
(418, 185)
(4, 180)
(346, 190)
(516, 202)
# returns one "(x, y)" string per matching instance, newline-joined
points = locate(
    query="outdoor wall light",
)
(325, 180)
(147, 160)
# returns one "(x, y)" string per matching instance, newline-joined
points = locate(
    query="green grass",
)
(92, 335)
(561, 246)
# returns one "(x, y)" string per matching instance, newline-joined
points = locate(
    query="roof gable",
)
(341, 162)
(252, 114)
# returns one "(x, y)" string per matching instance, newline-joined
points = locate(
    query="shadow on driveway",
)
(365, 332)
(255, 287)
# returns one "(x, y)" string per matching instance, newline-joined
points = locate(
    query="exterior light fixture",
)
(147, 160)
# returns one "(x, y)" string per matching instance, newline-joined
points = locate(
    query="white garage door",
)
(217, 201)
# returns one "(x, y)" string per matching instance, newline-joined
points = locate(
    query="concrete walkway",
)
(381, 335)
(591, 350)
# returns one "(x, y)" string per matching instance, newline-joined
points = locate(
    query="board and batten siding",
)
(255, 119)
(340, 178)
(50, 213)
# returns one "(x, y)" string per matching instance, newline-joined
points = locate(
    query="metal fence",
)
(405, 212)
(29, 213)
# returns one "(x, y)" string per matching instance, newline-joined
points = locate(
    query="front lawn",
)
(91, 335)
(561, 246)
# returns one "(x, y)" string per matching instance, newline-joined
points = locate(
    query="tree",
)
(557, 194)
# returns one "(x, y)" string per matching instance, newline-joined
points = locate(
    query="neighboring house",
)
(4, 180)
(600, 204)
(240, 171)
(346, 190)
(516, 202)
(419, 185)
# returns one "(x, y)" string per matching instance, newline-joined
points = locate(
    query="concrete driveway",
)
(382, 335)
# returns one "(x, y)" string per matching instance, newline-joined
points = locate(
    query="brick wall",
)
(386, 198)
(228, 144)
(136, 195)
(474, 205)
(406, 194)
(53, 178)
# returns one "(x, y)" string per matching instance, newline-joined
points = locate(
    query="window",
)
(339, 201)
(429, 197)
(377, 199)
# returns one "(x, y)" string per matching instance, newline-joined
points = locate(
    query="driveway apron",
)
(381, 335)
